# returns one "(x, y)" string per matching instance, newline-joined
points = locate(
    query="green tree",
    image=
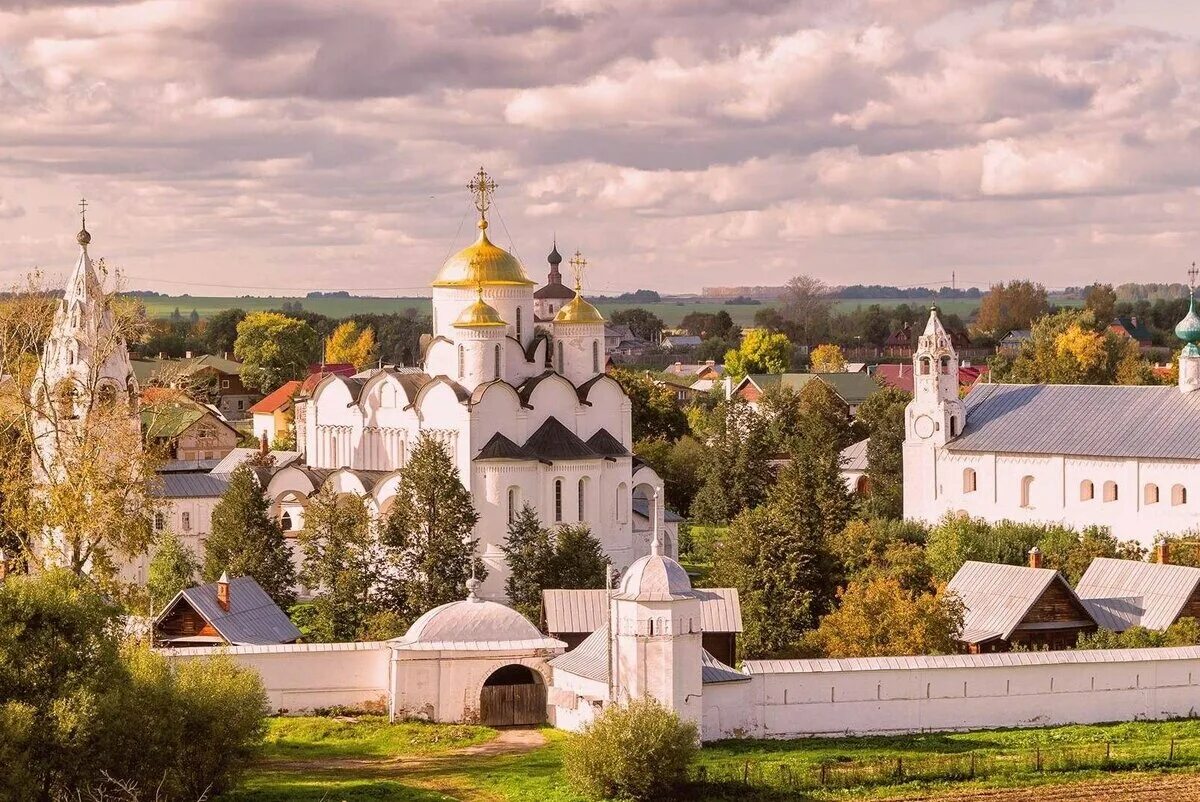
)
(881, 418)
(246, 541)
(579, 560)
(880, 617)
(430, 528)
(736, 469)
(824, 421)
(1069, 347)
(220, 331)
(342, 563)
(760, 352)
(529, 551)
(273, 349)
(644, 324)
(873, 547)
(679, 464)
(1011, 306)
(1101, 301)
(654, 411)
(173, 568)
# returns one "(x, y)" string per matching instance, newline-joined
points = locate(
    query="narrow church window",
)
(1110, 491)
(1026, 491)
(969, 480)
(925, 366)
(582, 499)
(954, 426)
(1150, 494)
(1178, 495)
(285, 521)
(462, 361)
(560, 359)
(622, 503)
(945, 365)
(496, 359)
(558, 500)
(518, 323)
(595, 356)
(1087, 490)
(514, 499)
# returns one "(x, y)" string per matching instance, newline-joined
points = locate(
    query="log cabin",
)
(228, 612)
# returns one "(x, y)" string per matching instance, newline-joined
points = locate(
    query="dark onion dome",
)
(83, 237)
(555, 258)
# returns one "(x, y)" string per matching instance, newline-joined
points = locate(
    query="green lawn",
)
(306, 759)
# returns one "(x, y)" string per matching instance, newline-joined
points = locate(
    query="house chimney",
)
(1035, 557)
(187, 354)
(223, 591)
(1163, 552)
(263, 447)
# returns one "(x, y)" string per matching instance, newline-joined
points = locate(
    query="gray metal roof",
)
(239, 455)
(1067, 656)
(713, 671)
(1126, 593)
(587, 610)
(1081, 420)
(998, 596)
(589, 659)
(854, 457)
(188, 465)
(252, 618)
(191, 485)
(641, 508)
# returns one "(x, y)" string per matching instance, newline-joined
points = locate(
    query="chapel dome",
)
(1188, 329)
(482, 263)
(577, 310)
(470, 621)
(655, 577)
(479, 315)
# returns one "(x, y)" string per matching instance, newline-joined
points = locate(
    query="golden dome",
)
(578, 310)
(482, 263)
(479, 315)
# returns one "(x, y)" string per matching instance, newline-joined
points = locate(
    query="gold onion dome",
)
(479, 315)
(482, 263)
(577, 310)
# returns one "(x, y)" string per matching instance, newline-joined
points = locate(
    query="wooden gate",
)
(505, 705)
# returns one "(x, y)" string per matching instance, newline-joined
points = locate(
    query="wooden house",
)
(1121, 594)
(1009, 605)
(233, 612)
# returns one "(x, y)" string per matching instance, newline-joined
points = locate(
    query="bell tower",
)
(934, 416)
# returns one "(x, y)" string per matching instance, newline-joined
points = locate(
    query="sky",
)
(282, 146)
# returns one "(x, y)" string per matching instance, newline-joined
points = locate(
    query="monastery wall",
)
(301, 677)
(798, 698)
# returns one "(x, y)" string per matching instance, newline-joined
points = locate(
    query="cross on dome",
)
(1192, 273)
(578, 264)
(483, 188)
(83, 237)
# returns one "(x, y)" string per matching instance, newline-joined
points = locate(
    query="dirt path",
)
(1119, 788)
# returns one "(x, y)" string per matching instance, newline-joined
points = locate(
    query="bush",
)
(636, 751)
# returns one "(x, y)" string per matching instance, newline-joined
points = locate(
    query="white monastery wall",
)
(445, 686)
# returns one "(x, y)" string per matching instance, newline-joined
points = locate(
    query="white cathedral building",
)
(1118, 456)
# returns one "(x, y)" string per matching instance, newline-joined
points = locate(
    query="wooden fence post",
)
(1171, 757)
(824, 773)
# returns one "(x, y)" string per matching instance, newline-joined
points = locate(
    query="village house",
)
(900, 376)
(1134, 328)
(1121, 594)
(215, 380)
(709, 369)
(272, 416)
(228, 612)
(851, 388)
(186, 430)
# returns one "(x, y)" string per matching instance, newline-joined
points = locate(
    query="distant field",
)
(672, 312)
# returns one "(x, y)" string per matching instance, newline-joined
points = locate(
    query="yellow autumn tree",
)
(351, 345)
(828, 358)
(879, 617)
(1086, 347)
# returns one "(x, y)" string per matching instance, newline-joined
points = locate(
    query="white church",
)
(1118, 456)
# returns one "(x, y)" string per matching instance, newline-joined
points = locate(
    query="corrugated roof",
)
(995, 659)
(854, 457)
(1082, 420)
(239, 455)
(587, 610)
(252, 618)
(641, 508)
(192, 485)
(713, 671)
(169, 421)
(853, 388)
(589, 659)
(1125, 593)
(998, 596)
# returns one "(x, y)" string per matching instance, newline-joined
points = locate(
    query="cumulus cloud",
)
(302, 145)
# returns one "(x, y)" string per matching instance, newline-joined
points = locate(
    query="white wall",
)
(302, 677)
(1036, 689)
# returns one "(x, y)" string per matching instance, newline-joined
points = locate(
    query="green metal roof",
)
(853, 388)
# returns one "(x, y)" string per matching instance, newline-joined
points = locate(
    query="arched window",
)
(462, 361)
(925, 366)
(285, 521)
(560, 359)
(969, 480)
(945, 365)
(496, 360)
(1178, 495)
(1110, 491)
(1027, 491)
(595, 356)
(558, 500)
(518, 323)
(514, 502)
(622, 503)
(1150, 494)
(1087, 490)
(582, 498)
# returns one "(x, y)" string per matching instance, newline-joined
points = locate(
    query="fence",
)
(849, 773)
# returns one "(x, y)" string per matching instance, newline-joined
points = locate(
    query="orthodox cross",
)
(1192, 273)
(83, 211)
(483, 188)
(578, 263)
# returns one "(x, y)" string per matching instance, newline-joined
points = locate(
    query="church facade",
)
(1123, 457)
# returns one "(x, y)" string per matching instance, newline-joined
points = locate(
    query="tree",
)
(644, 324)
(879, 618)
(273, 349)
(1072, 552)
(351, 344)
(173, 568)
(679, 463)
(881, 417)
(653, 407)
(874, 547)
(529, 551)
(824, 420)
(638, 751)
(805, 305)
(1101, 301)
(430, 528)
(709, 324)
(579, 559)
(759, 352)
(247, 541)
(736, 470)
(342, 563)
(1184, 632)
(220, 330)
(1011, 306)
(1069, 347)
(828, 359)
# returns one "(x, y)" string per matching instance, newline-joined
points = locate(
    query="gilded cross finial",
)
(578, 263)
(483, 188)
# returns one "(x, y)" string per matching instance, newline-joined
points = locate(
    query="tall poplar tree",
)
(247, 541)
(342, 564)
(430, 530)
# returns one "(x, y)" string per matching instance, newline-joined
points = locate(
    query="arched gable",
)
(441, 357)
(345, 480)
(290, 480)
(331, 393)
(442, 402)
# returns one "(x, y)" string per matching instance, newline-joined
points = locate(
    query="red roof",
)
(901, 376)
(277, 399)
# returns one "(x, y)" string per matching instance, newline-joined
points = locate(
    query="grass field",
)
(353, 761)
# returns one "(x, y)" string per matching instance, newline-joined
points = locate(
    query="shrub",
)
(636, 751)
